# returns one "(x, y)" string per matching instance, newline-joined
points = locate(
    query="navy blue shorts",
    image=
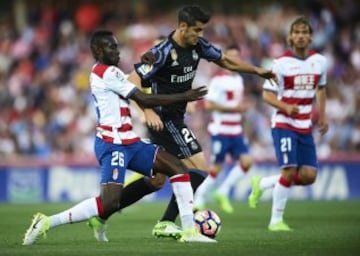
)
(293, 148)
(222, 145)
(177, 139)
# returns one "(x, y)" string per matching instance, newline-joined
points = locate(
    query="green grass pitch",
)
(320, 228)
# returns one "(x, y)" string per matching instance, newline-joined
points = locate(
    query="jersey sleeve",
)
(116, 81)
(271, 85)
(208, 51)
(146, 71)
(146, 86)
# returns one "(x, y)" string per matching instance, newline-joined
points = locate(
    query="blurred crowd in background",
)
(46, 108)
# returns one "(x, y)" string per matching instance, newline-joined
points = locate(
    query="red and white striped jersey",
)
(226, 90)
(298, 80)
(110, 90)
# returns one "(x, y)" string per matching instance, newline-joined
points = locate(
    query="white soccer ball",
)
(207, 222)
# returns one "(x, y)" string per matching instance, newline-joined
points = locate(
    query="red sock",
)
(297, 179)
(284, 182)
(100, 208)
(180, 178)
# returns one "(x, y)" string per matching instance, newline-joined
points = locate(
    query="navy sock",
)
(172, 210)
(135, 191)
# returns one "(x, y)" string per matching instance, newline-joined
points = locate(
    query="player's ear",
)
(182, 26)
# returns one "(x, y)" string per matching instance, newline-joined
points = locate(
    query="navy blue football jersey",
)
(174, 71)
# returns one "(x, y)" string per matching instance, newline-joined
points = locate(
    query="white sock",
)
(79, 212)
(234, 175)
(280, 196)
(185, 199)
(202, 190)
(268, 182)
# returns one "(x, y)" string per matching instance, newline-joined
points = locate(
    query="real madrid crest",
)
(195, 55)
(174, 57)
(194, 146)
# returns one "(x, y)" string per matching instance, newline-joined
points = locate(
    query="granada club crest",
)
(285, 158)
(115, 174)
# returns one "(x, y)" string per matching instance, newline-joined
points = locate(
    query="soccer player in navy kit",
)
(173, 67)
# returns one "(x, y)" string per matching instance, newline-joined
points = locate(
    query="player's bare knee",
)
(179, 167)
(308, 175)
(158, 181)
(246, 162)
(288, 173)
(246, 167)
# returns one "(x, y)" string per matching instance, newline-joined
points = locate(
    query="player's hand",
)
(148, 58)
(292, 110)
(195, 94)
(153, 121)
(323, 126)
(267, 74)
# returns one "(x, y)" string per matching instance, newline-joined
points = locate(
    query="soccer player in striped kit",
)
(301, 73)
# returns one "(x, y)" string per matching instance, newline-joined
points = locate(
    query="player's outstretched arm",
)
(233, 64)
(146, 100)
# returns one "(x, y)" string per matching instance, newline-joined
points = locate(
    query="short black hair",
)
(190, 14)
(96, 38)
